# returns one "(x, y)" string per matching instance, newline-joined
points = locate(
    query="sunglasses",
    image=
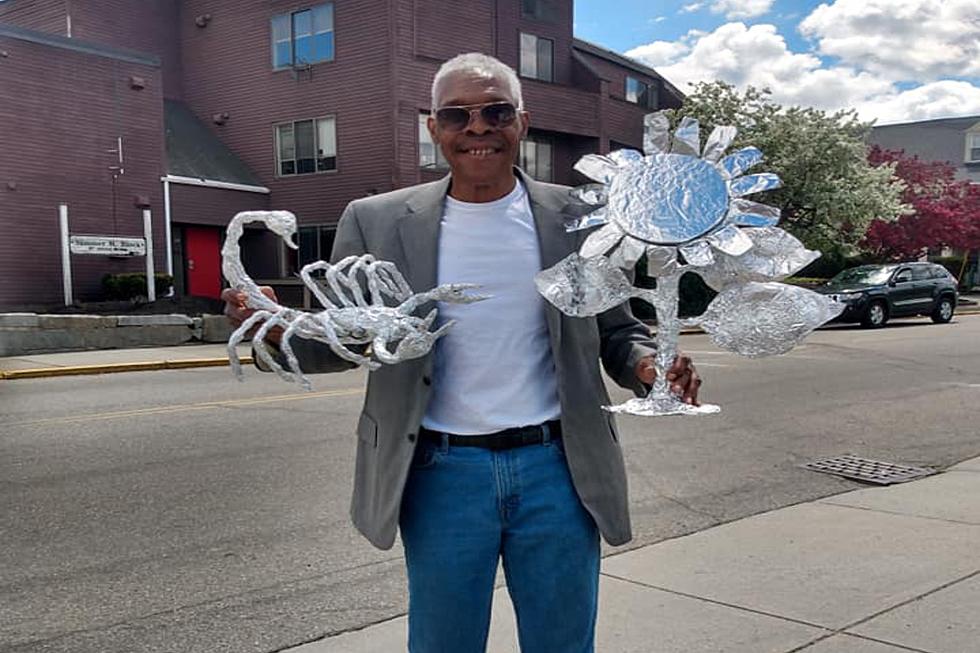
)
(493, 114)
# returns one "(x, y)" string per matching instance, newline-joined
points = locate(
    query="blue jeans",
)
(466, 507)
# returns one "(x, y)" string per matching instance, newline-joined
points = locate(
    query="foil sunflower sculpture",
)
(684, 208)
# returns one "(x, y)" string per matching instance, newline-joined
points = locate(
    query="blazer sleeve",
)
(624, 340)
(315, 357)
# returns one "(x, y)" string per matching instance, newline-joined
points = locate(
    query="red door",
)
(202, 246)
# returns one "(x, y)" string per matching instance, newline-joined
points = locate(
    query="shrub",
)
(131, 285)
(694, 296)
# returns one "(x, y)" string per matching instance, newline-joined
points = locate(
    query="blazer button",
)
(411, 437)
(426, 380)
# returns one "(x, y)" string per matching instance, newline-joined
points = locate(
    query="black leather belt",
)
(518, 436)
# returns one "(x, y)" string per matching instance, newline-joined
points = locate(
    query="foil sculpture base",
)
(660, 406)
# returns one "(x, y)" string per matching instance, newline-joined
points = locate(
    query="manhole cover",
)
(865, 469)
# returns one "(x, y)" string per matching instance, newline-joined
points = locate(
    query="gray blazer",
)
(403, 227)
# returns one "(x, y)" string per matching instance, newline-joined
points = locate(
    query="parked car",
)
(876, 293)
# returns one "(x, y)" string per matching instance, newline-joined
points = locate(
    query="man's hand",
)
(682, 376)
(237, 311)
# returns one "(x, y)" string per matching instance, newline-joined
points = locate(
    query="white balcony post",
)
(151, 289)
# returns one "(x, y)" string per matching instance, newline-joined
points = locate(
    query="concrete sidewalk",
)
(880, 570)
(104, 361)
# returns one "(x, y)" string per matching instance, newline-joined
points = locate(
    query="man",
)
(495, 445)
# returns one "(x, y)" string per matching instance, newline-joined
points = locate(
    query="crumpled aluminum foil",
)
(583, 287)
(683, 207)
(357, 312)
(764, 319)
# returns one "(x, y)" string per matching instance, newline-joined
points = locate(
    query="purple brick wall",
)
(54, 150)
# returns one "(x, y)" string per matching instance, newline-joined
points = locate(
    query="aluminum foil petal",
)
(591, 194)
(774, 255)
(764, 319)
(656, 133)
(627, 254)
(754, 184)
(718, 141)
(730, 240)
(626, 156)
(662, 261)
(601, 241)
(687, 137)
(598, 167)
(698, 253)
(593, 219)
(583, 287)
(747, 213)
(738, 162)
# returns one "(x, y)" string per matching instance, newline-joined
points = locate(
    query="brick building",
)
(227, 105)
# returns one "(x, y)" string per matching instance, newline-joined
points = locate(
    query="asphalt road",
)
(182, 511)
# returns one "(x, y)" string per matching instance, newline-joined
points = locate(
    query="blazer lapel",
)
(554, 241)
(419, 233)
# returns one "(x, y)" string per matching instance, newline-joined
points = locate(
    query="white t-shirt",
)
(493, 370)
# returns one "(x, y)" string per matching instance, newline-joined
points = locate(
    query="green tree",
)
(830, 192)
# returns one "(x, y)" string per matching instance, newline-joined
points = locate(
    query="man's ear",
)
(525, 118)
(430, 123)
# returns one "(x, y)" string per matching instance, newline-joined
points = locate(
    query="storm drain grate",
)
(868, 470)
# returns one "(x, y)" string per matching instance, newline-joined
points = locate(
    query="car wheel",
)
(943, 312)
(875, 315)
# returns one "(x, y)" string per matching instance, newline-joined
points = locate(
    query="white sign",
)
(108, 245)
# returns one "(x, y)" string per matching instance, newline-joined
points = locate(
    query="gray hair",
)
(484, 65)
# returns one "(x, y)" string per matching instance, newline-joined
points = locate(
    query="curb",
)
(75, 370)
(188, 363)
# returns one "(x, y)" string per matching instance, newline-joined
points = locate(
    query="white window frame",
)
(290, 17)
(530, 66)
(439, 161)
(536, 143)
(318, 151)
(972, 144)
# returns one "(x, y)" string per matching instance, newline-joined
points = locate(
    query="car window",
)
(865, 274)
(903, 275)
(939, 272)
(921, 273)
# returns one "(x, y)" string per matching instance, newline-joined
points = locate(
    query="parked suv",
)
(875, 293)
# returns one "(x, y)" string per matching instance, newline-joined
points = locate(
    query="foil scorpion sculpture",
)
(350, 316)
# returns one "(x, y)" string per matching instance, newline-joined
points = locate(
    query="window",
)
(903, 275)
(539, 10)
(973, 148)
(430, 156)
(921, 273)
(536, 158)
(537, 57)
(306, 146)
(641, 93)
(302, 37)
(315, 243)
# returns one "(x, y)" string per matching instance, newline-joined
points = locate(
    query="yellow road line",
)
(178, 408)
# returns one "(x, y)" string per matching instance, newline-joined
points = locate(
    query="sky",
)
(891, 60)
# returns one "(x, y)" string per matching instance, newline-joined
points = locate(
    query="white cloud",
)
(691, 8)
(758, 55)
(736, 9)
(945, 99)
(659, 53)
(918, 40)
(659, 19)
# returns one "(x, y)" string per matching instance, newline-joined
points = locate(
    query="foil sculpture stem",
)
(661, 400)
